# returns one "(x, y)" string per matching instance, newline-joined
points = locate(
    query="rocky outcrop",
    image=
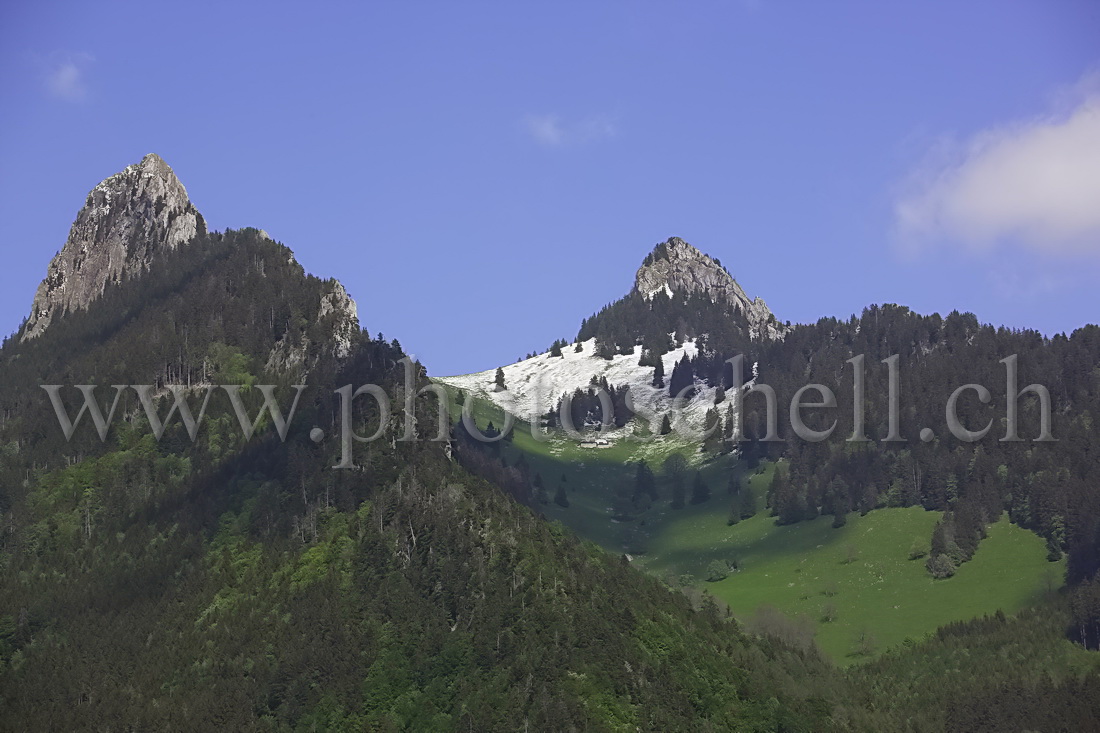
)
(339, 317)
(126, 221)
(675, 267)
(338, 305)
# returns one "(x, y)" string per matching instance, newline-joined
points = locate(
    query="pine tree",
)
(681, 332)
(786, 500)
(659, 374)
(555, 350)
(735, 512)
(747, 503)
(837, 496)
(939, 539)
(500, 386)
(714, 441)
(675, 469)
(1056, 538)
(560, 498)
(666, 425)
(683, 377)
(700, 492)
(645, 483)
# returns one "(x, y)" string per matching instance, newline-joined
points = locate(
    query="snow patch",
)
(534, 386)
(665, 288)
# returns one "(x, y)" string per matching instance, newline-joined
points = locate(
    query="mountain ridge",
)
(244, 584)
(625, 341)
(676, 267)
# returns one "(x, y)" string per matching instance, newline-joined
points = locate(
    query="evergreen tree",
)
(787, 502)
(666, 425)
(499, 380)
(659, 374)
(682, 380)
(560, 498)
(675, 472)
(700, 492)
(1085, 610)
(645, 484)
(735, 512)
(1055, 538)
(837, 498)
(747, 503)
(714, 441)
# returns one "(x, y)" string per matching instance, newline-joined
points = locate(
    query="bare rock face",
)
(338, 305)
(339, 315)
(675, 267)
(127, 220)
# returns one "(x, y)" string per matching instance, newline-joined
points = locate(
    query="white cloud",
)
(66, 80)
(1033, 183)
(545, 129)
(551, 131)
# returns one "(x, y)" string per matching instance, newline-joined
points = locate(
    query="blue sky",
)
(482, 176)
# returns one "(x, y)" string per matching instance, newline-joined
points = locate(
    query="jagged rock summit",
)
(126, 221)
(674, 266)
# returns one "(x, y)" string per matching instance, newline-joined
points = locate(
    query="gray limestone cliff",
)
(339, 315)
(675, 267)
(126, 221)
(338, 305)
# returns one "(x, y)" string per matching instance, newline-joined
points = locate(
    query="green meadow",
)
(856, 581)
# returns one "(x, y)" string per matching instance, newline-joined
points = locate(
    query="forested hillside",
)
(225, 584)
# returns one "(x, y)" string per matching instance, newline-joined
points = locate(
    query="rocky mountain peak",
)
(676, 267)
(127, 220)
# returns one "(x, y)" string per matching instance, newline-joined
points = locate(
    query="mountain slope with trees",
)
(1047, 487)
(225, 583)
(231, 583)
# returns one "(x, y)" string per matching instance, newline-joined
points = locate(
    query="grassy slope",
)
(882, 591)
(791, 567)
